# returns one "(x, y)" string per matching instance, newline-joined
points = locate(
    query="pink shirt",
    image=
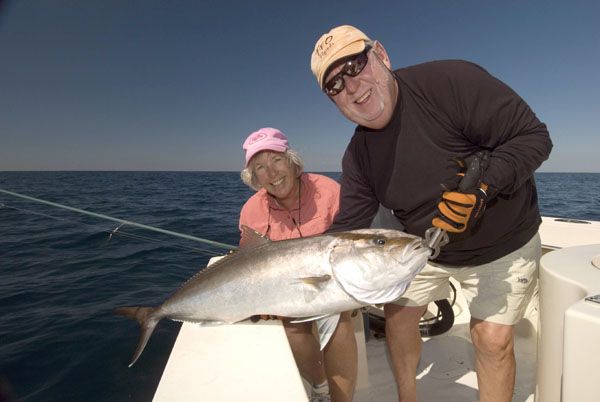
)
(319, 204)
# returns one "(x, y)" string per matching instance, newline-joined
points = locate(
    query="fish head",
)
(376, 265)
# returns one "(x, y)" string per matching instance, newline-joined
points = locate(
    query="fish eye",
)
(380, 242)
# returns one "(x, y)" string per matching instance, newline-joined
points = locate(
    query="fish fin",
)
(216, 263)
(146, 318)
(315, 281)
(314, 285)
(209, 267)
(251, 238)
(326, 327)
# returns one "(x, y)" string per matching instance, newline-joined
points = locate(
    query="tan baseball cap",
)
(338, 43)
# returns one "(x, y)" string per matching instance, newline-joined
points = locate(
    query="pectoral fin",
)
(315, 282)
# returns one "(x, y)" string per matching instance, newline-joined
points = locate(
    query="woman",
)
(290, 204)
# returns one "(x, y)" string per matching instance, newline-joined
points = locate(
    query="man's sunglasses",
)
(352, 67)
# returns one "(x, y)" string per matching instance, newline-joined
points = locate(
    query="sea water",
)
(62, 273)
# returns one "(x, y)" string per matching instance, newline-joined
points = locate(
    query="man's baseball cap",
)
(340, 42)
(264, 139)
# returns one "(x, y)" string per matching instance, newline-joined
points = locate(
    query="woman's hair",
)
(249, 177)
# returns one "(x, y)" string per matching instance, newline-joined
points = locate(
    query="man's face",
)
(369, 98)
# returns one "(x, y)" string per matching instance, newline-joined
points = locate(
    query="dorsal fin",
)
(251, 238)
(208, 268)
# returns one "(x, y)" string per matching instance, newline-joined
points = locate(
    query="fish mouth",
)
(414, 249)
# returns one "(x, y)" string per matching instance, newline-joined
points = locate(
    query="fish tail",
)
(146, 318)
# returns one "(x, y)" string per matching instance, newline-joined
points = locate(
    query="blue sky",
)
(178, 85)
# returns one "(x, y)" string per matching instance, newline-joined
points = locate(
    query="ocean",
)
(62, 274)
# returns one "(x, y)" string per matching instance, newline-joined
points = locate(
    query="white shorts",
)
(498, 291)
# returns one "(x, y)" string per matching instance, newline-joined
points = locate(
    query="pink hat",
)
(266, 138)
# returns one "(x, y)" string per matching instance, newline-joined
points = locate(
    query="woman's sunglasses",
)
(351, 68)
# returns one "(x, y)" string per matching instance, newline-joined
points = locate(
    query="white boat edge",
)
(254, 362)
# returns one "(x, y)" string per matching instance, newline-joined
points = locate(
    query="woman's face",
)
(276, 174)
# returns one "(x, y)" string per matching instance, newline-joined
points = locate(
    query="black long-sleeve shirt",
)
(448, 109)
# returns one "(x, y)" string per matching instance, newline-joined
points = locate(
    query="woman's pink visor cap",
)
(265, 139)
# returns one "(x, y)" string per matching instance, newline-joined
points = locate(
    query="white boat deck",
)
(253, 362)
(446, 371)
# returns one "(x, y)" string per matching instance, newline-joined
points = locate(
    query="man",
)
(416, 126)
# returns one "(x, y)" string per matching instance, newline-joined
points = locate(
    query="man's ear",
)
(382, 54)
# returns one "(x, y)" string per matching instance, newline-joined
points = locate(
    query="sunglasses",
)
(352, 67)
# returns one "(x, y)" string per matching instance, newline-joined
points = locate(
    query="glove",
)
(458, 210)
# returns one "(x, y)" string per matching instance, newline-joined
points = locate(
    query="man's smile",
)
(364, 97)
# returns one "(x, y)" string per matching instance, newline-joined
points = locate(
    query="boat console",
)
(569, 325)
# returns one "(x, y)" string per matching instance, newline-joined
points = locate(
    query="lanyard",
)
(296, 223)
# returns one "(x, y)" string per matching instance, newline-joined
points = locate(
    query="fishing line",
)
(114, 232)
(121, 221)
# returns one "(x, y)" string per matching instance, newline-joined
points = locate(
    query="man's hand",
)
(458, 210)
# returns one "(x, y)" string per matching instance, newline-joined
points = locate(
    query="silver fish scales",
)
(310, 278)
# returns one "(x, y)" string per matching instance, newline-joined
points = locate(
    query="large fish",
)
(311, 278)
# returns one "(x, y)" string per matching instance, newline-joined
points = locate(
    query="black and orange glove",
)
(457, 210)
